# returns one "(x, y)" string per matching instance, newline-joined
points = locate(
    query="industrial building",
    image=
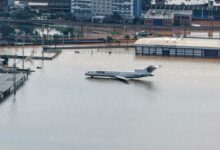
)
(201, 9)
(164, 17)
(182, 18)
(179, 47)
(159, 17)
(186, 2)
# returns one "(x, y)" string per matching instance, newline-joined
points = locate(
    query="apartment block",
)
(101, 7)
(128, 9)
(123, 7)
(81, 8)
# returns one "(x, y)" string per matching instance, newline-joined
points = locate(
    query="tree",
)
(109, 39)
(56, 39)
(36, 36)
(6, 30)
(24, 14)
(67, 31)
(28, 29)
(6, 59)
(127, 37)
(148, 2)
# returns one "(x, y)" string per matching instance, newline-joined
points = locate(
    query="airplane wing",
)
(121, 78)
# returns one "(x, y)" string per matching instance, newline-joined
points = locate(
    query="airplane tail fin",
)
(152, 68)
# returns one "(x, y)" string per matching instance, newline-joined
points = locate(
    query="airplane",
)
(124, 76)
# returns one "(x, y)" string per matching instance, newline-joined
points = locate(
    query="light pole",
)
(23, 42)
(14, 66)
(42, 42)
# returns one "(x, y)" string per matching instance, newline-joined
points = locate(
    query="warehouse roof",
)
(189, 2)
(179, 42)
(160, 14)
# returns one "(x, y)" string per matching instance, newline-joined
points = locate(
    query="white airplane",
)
(124, 76)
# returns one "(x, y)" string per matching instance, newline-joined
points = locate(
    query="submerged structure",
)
(184, 47)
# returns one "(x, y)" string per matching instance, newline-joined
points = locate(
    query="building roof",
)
(183, 12)
(189, 2)
(160, 14)
(37, 4)
(166, 14)
(180, 42)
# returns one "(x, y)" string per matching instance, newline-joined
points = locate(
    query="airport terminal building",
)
(178, 47)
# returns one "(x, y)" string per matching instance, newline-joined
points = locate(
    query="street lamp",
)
(23, 43)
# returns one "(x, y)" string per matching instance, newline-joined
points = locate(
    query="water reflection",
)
(143, 83)
(105, 80)
(136, 82)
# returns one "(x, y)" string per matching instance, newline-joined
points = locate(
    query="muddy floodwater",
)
(58, 108)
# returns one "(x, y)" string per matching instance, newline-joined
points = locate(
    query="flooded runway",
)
(59, 108)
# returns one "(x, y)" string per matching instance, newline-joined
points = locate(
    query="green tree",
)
(148, 2)
(24, 14)
(127, 37)
(28, 29)
(109, 39)
(6, 30)
(6, 59)
(36, 36)
(56, 38)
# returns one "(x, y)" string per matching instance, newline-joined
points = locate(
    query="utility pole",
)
(211, 17)
(14, 66)
(23, 41)
(14, 75)
(42, 42)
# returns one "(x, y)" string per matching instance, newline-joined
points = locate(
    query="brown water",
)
(58, 108)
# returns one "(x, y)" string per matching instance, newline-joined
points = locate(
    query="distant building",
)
(159, 17)
(9, 2)
(101, 8)
(178, 47)
(124, 8)
(182, 18)
(186, 2)
(59, 6)
(163, 17)
(137, 8)
(81, 8)
(160, 2)
(6, 3)
(48, 5)
(128, 9)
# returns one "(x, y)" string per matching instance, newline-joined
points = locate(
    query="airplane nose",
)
(86, 73)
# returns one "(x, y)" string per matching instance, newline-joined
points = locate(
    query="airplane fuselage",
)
(137, 73)
(113, 74)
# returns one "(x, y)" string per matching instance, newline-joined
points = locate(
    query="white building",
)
(101, 7)
(189, 2)
(128, 9)
(125, 8)
(82, 8)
